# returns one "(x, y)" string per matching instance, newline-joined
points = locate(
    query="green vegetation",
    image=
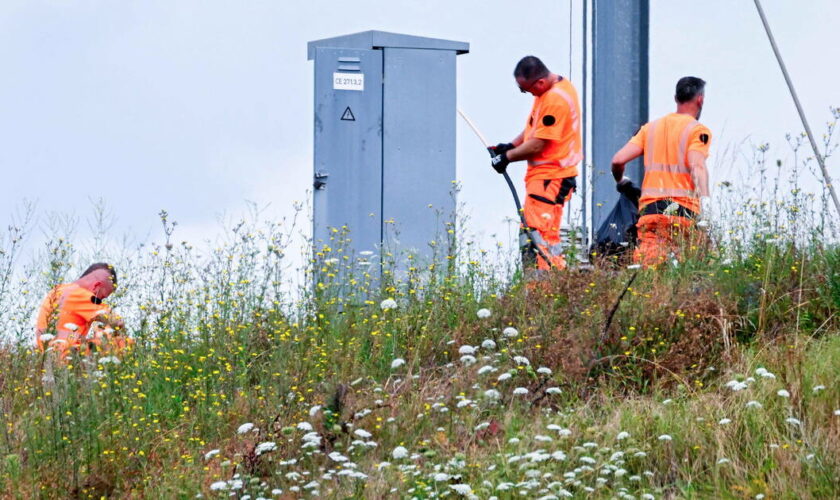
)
(719, 377)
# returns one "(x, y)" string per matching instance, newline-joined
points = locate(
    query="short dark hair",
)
(530, 68)
(688, 88)
(101, 265)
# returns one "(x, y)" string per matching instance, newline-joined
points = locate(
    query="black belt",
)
(661, 206)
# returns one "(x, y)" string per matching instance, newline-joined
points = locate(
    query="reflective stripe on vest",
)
(573, 158)
(664, 180)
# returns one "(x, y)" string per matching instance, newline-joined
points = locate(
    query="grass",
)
(718, 377)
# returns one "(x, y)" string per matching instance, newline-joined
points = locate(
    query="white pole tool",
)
(512, 191)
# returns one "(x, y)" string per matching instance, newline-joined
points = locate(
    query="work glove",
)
(500, 148)
(626, 187)
(500, 162)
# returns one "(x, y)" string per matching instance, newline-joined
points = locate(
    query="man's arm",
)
(526, 149)
(699, 174)
(519, 139)
(625, 155)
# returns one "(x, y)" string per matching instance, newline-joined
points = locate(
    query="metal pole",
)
(799, 109)
(584, 125)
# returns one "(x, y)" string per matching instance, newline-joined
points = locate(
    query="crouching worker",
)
(675, 148)
(74, 317)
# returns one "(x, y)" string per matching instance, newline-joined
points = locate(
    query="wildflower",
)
(485, 369)
(818, 388)
(109, 359)
(702, 223)
(210, 454)
(783, 393)
(337, 457)
(46, 337)
(503, 377)
(837, 412)
(723, 461)
(762, 372)
(382, 465)
(466, 349)
(398, 362)
(634, 266)
(483, 313)
(553, 390)
(521, 360)
(468, 360)
(314, 410)
(244, 428)
(388, 304)
(754, 404)
(304, 426)
(481, 426)
(667, 401)
(492, 394)
(510, 332)
(71, 326)
(463, 403)
(665, 437)
(520, 391)
(265, 447)
(366, 253)
(559, 456)
(588, 460)
(218, 486)
(544, 371)
(440, 477)
(399, 452)
(725, 421)
(362, 433)
(488, 344)
(736, 385)
(276, 491)
(622, 435)
(793, 421)
(648, 496)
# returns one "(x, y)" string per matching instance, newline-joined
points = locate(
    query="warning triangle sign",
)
(348, 115)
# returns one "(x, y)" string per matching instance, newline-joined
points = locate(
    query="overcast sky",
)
(197, 106)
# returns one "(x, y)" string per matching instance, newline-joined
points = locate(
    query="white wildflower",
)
(461, 489)
(265, 447)
(109, 359)
(510, 332)
(521, 360)
(754, 404)
(725, 421)
(793, 421)
(503, 377)
(396, 363)
(441, 476)
(485, 369)
(762, 372)
(337, 457)
(218, 486)
(736, 385)
(723, 461)
(47, 337)
(818, 388)
(488, 344)
(314, 410)
(558, 455)
(544, 371)
(553, 390)
(304, 426)
(71, 326)
(246, 427)
(210, 454)
(783, 393)
(466, 349)
(665, 437)
(399, 452)
(520, 391)
(483, 313)
(388, 304)
(468, 360)
(362, 433)
(622, 435)
(667, 401)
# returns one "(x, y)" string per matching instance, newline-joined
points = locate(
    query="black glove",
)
(626, 187)
(500, 162)
(500, 148)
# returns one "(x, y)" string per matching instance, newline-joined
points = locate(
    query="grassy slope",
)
(216, 350)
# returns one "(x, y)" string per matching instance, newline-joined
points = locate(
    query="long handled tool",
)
(519, 211)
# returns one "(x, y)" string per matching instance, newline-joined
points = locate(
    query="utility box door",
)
(418, 146)
(348, 147)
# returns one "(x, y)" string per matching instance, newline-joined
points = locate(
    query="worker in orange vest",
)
(675, 148)
(551, 143)
(74, 315)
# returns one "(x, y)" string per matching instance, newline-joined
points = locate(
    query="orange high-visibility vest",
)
(555, 118)
(666, 143)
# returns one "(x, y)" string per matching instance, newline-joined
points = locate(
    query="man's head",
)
(100, 278)
(532, 76)
(690, 94)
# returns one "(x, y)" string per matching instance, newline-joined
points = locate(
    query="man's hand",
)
(500, 162)
(626, 187)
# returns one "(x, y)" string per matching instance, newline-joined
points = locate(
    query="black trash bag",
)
(619, 227)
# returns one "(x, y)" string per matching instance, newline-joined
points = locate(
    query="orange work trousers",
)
(543, 212)
(661, 236)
